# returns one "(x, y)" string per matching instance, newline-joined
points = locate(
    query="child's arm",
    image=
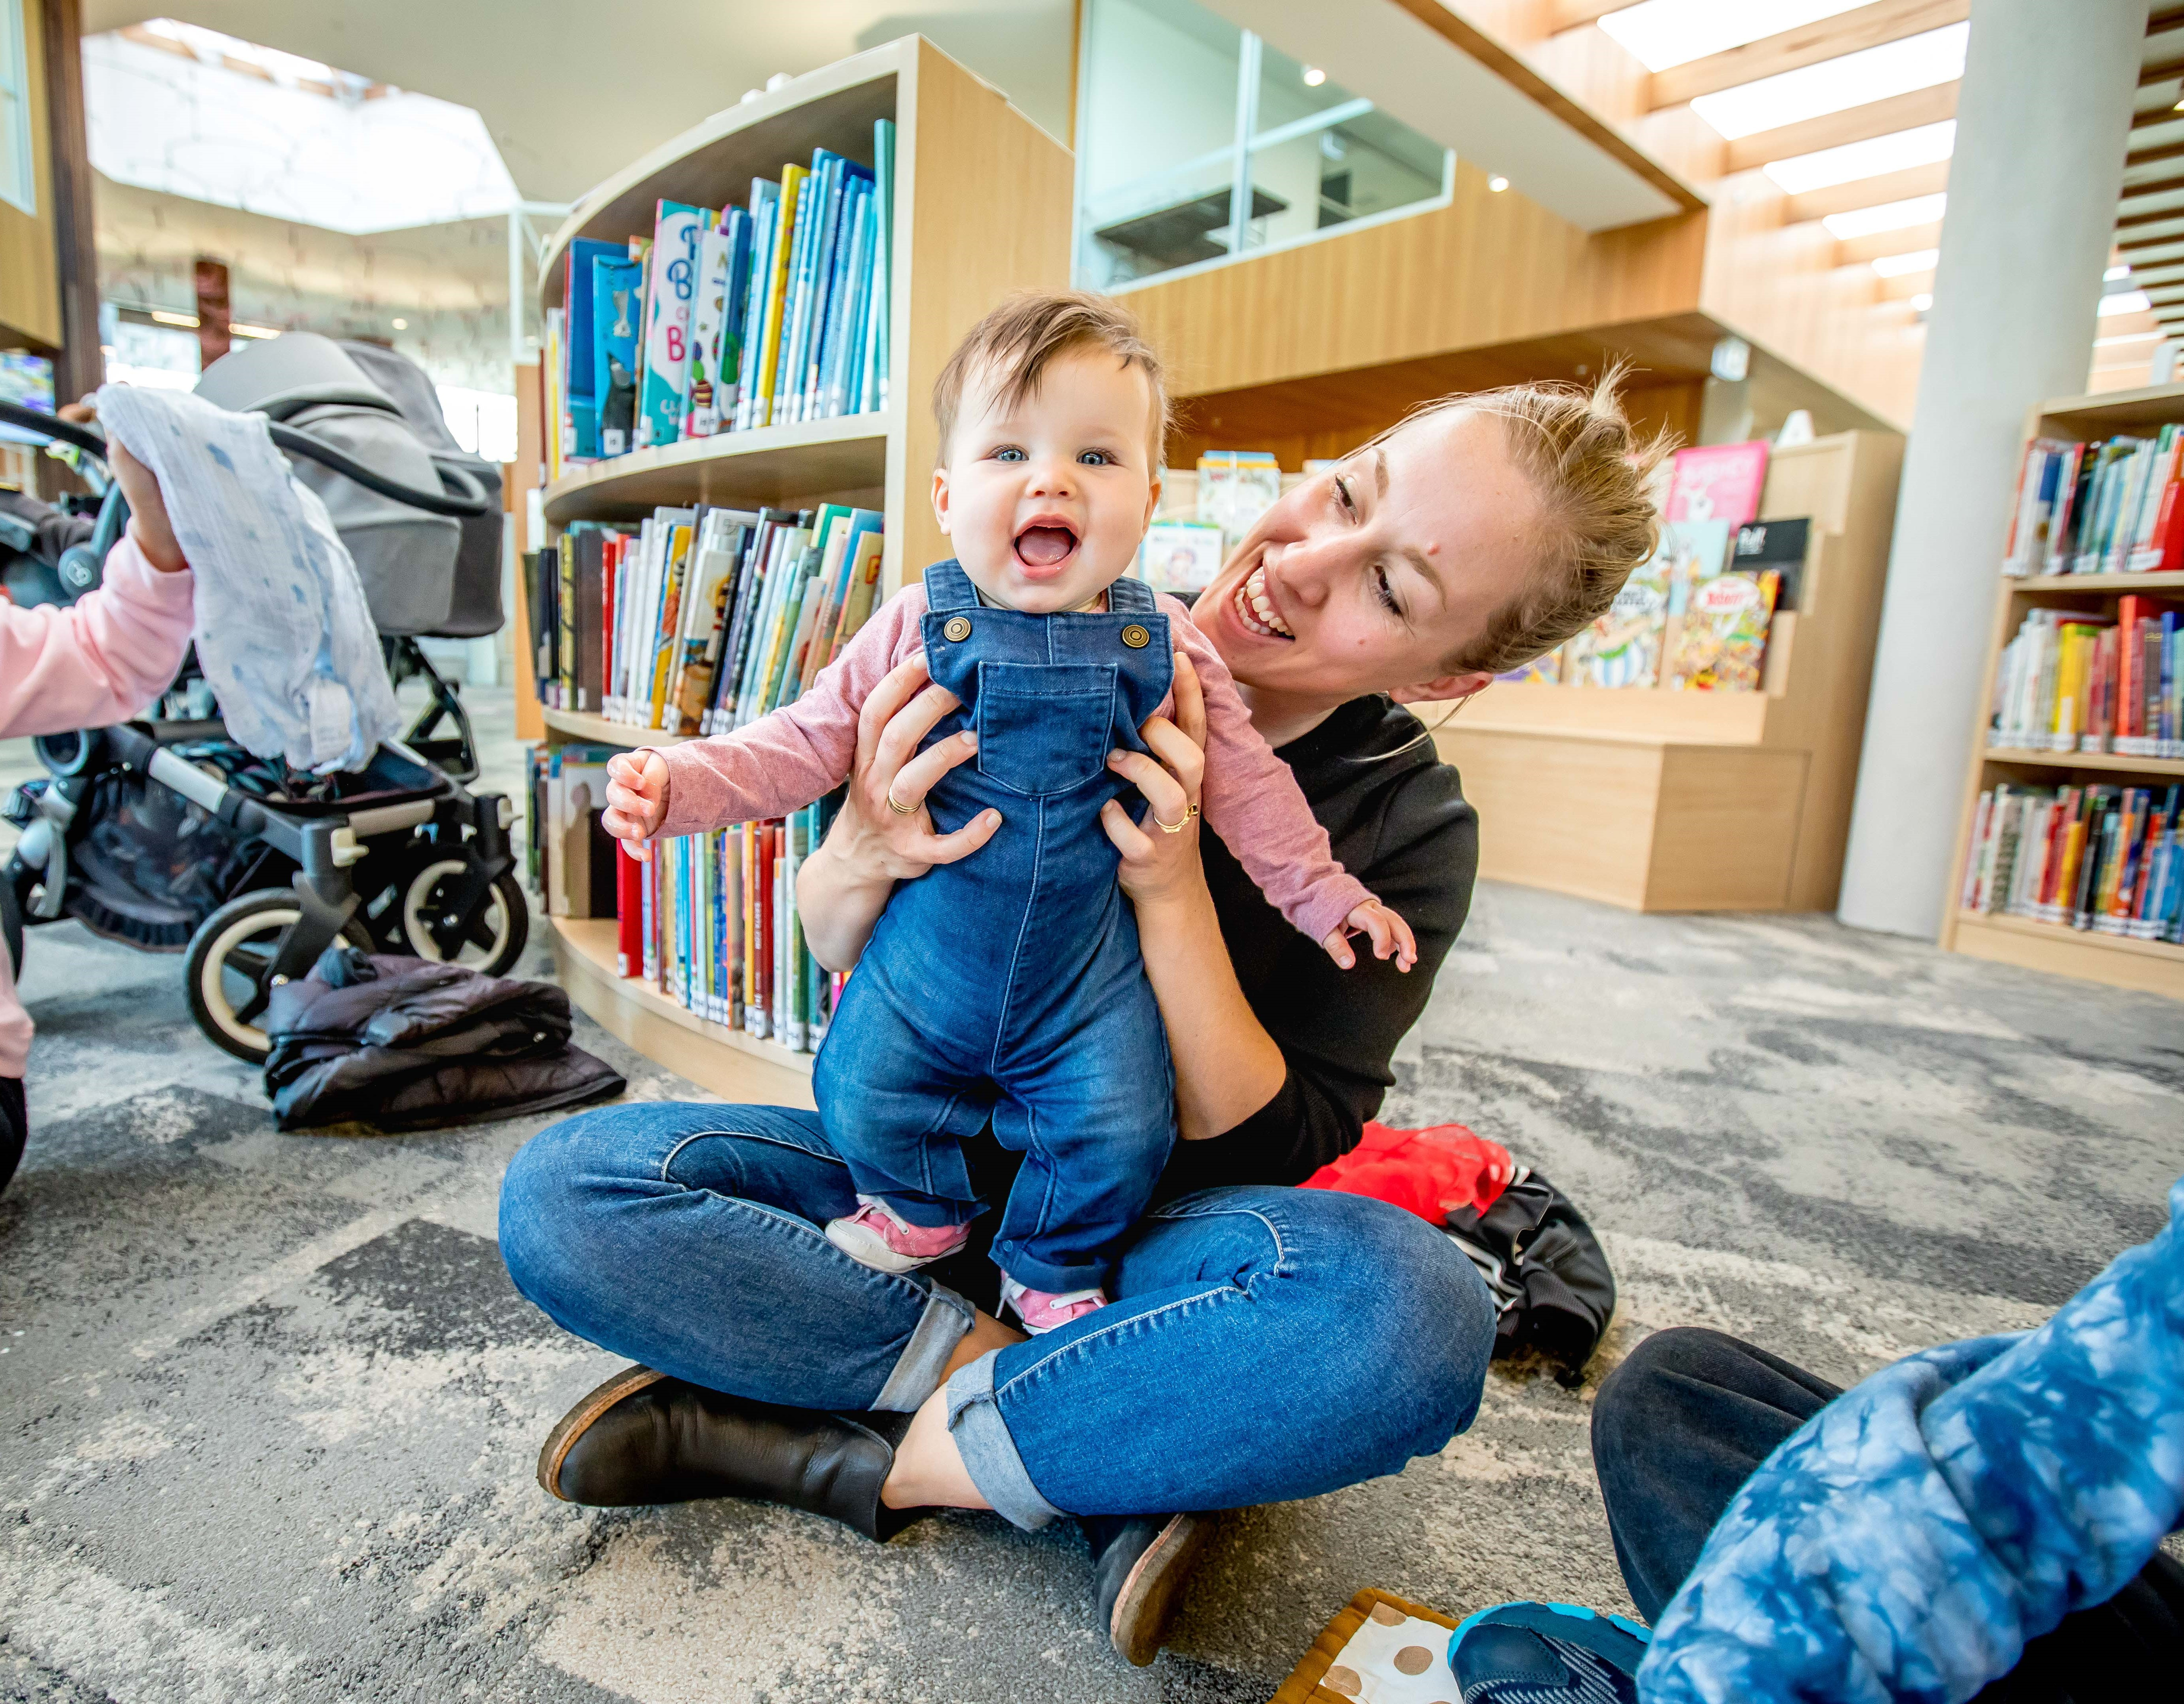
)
(102, 660)
(1253, 802)
(778, 764)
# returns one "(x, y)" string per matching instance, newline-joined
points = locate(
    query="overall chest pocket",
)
(1044, 726)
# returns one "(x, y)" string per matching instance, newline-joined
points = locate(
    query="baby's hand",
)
(1391, 936)
(636, 799)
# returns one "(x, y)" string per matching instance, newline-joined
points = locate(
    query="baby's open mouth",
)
(1045, 545)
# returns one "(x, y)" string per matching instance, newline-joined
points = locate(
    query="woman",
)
(100, 660)
(1262, 1342)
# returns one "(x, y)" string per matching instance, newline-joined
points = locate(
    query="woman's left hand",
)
(1160, 856)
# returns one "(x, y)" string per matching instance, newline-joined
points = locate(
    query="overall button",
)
(1133, 636)
(959, 628)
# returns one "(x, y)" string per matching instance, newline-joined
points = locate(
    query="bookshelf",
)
(2154, 967)
(1659, 799)
(982, 207)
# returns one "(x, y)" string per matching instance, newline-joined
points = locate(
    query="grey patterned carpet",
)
(268, 1406)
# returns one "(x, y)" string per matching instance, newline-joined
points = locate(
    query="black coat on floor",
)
(409, 1044)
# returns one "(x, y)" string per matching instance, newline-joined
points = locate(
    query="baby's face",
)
(1046, 502)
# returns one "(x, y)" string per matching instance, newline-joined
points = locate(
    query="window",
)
(19, 184)
(1184, 119)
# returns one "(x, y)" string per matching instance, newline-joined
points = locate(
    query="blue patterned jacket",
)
(1907, 1541)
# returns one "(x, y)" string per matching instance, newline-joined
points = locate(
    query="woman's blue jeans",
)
(1263, 1344)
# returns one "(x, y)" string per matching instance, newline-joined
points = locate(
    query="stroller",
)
(167, 834)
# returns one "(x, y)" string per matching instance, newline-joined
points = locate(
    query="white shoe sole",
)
(867, 1248)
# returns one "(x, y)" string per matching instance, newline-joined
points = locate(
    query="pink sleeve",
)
(1253, 802)
(101, 660)
(798, 753)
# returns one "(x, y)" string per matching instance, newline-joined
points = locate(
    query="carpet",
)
(270, 1406)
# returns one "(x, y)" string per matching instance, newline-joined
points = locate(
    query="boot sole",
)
(867, 1249)
(1146, 1603)
(578, 1421)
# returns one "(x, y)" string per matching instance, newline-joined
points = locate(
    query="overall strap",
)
(948, 586)
(1129, 596)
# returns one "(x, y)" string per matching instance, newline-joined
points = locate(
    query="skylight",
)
(1890, 216)
(2125, 302)
(1902, 266)
(193, 113)
(1895, 152)
(1662, 33)
(1896, 68)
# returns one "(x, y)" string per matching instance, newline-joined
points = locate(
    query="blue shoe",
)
(1547, 1653)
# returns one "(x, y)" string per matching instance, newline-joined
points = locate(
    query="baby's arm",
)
(779, 764)
(1254, 803)
(102, 660)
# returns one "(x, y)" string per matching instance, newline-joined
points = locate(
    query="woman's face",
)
(1370, 576)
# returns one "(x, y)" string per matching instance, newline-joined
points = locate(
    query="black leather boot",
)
(644, 1437)
(1141, 1562)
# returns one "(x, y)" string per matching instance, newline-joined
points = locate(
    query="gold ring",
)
(1174, 828)
(897, 805)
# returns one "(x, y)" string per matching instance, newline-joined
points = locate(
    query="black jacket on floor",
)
(409, 1044)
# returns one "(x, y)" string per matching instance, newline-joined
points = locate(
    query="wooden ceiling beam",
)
(1882, 243)
(1571, 15)
(1852, 124)
(1867, 192)
(2133, 191)
(2151, 156)
(2140, 221)
(2155, 250)
(1830, 38)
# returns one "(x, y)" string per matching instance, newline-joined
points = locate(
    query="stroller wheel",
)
(502, 927)
(230, 956)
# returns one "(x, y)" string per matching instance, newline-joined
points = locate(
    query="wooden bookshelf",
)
(1666, 801)
(982, 200)
(2152, 967)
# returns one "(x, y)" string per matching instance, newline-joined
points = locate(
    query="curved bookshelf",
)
(982, 206)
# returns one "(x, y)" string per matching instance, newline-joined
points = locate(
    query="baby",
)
(1009, 985)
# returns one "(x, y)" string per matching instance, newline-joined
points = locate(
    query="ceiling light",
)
(243, 330)
(2115, 273)
(2125, 302)
(1313, 76)
(1921, 302)
(161, 316)
(1496, 185)
(1900, 266)
(1662, 33)
(1890, 216)
(1833, 86)
(401, 325)
(1828, 166)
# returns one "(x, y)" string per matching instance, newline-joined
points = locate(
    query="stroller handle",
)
(469, 499)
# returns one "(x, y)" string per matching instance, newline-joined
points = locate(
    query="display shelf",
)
(728, 1062)
(2153, 966)
(597, 730)
(843, 459)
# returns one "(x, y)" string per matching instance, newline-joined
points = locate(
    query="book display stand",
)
(982, 207)
(2120, 960)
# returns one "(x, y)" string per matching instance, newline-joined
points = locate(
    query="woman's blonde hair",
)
(1594, 477)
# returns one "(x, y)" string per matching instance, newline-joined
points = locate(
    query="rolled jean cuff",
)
(990, 1454)
(917, 1373)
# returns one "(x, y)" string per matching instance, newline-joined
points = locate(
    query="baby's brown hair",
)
(1020, 338)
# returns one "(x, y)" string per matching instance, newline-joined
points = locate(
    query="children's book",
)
(672, 289)
(1181, 556)
(1235, 487)
(1544, 670)
(1717, 482)
(709, 315)
(884, 141)
(581, 393)
(1623, 647)
(617, 282)
(1724, 636)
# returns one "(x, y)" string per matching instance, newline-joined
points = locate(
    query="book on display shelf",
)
(729, 319)
(2071, 681)
(2109, 507)
(2105, 859)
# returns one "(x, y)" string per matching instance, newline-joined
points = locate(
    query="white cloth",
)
(283, 633)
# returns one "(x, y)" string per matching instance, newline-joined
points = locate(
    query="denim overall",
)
(1009, 985)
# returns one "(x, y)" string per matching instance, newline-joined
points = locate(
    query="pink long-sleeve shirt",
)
(783, 761)
(100, 661)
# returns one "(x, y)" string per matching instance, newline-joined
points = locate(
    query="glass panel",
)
(1156, 137)
(1328, 156)
(15, 173)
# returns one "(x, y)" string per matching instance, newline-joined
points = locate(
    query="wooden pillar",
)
(81, 366)
(209, 279)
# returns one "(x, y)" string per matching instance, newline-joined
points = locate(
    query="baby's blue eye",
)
(1010, 453)
(1096, 458)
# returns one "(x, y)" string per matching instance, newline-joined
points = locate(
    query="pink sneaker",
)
(1042, 1310)
(878, 1237)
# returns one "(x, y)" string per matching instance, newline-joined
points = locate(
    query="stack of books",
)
(2109, 508)
(2073, 681)
(702, 619)
(725, 320)
(2103, 858)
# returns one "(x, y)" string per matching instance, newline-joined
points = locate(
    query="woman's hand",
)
(148, 524)
(843, 887)
(636, 799)
(1160, 856)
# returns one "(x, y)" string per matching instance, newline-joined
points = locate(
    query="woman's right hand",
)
(884, 834)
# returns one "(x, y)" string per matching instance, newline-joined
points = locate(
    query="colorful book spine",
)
(672, 288)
